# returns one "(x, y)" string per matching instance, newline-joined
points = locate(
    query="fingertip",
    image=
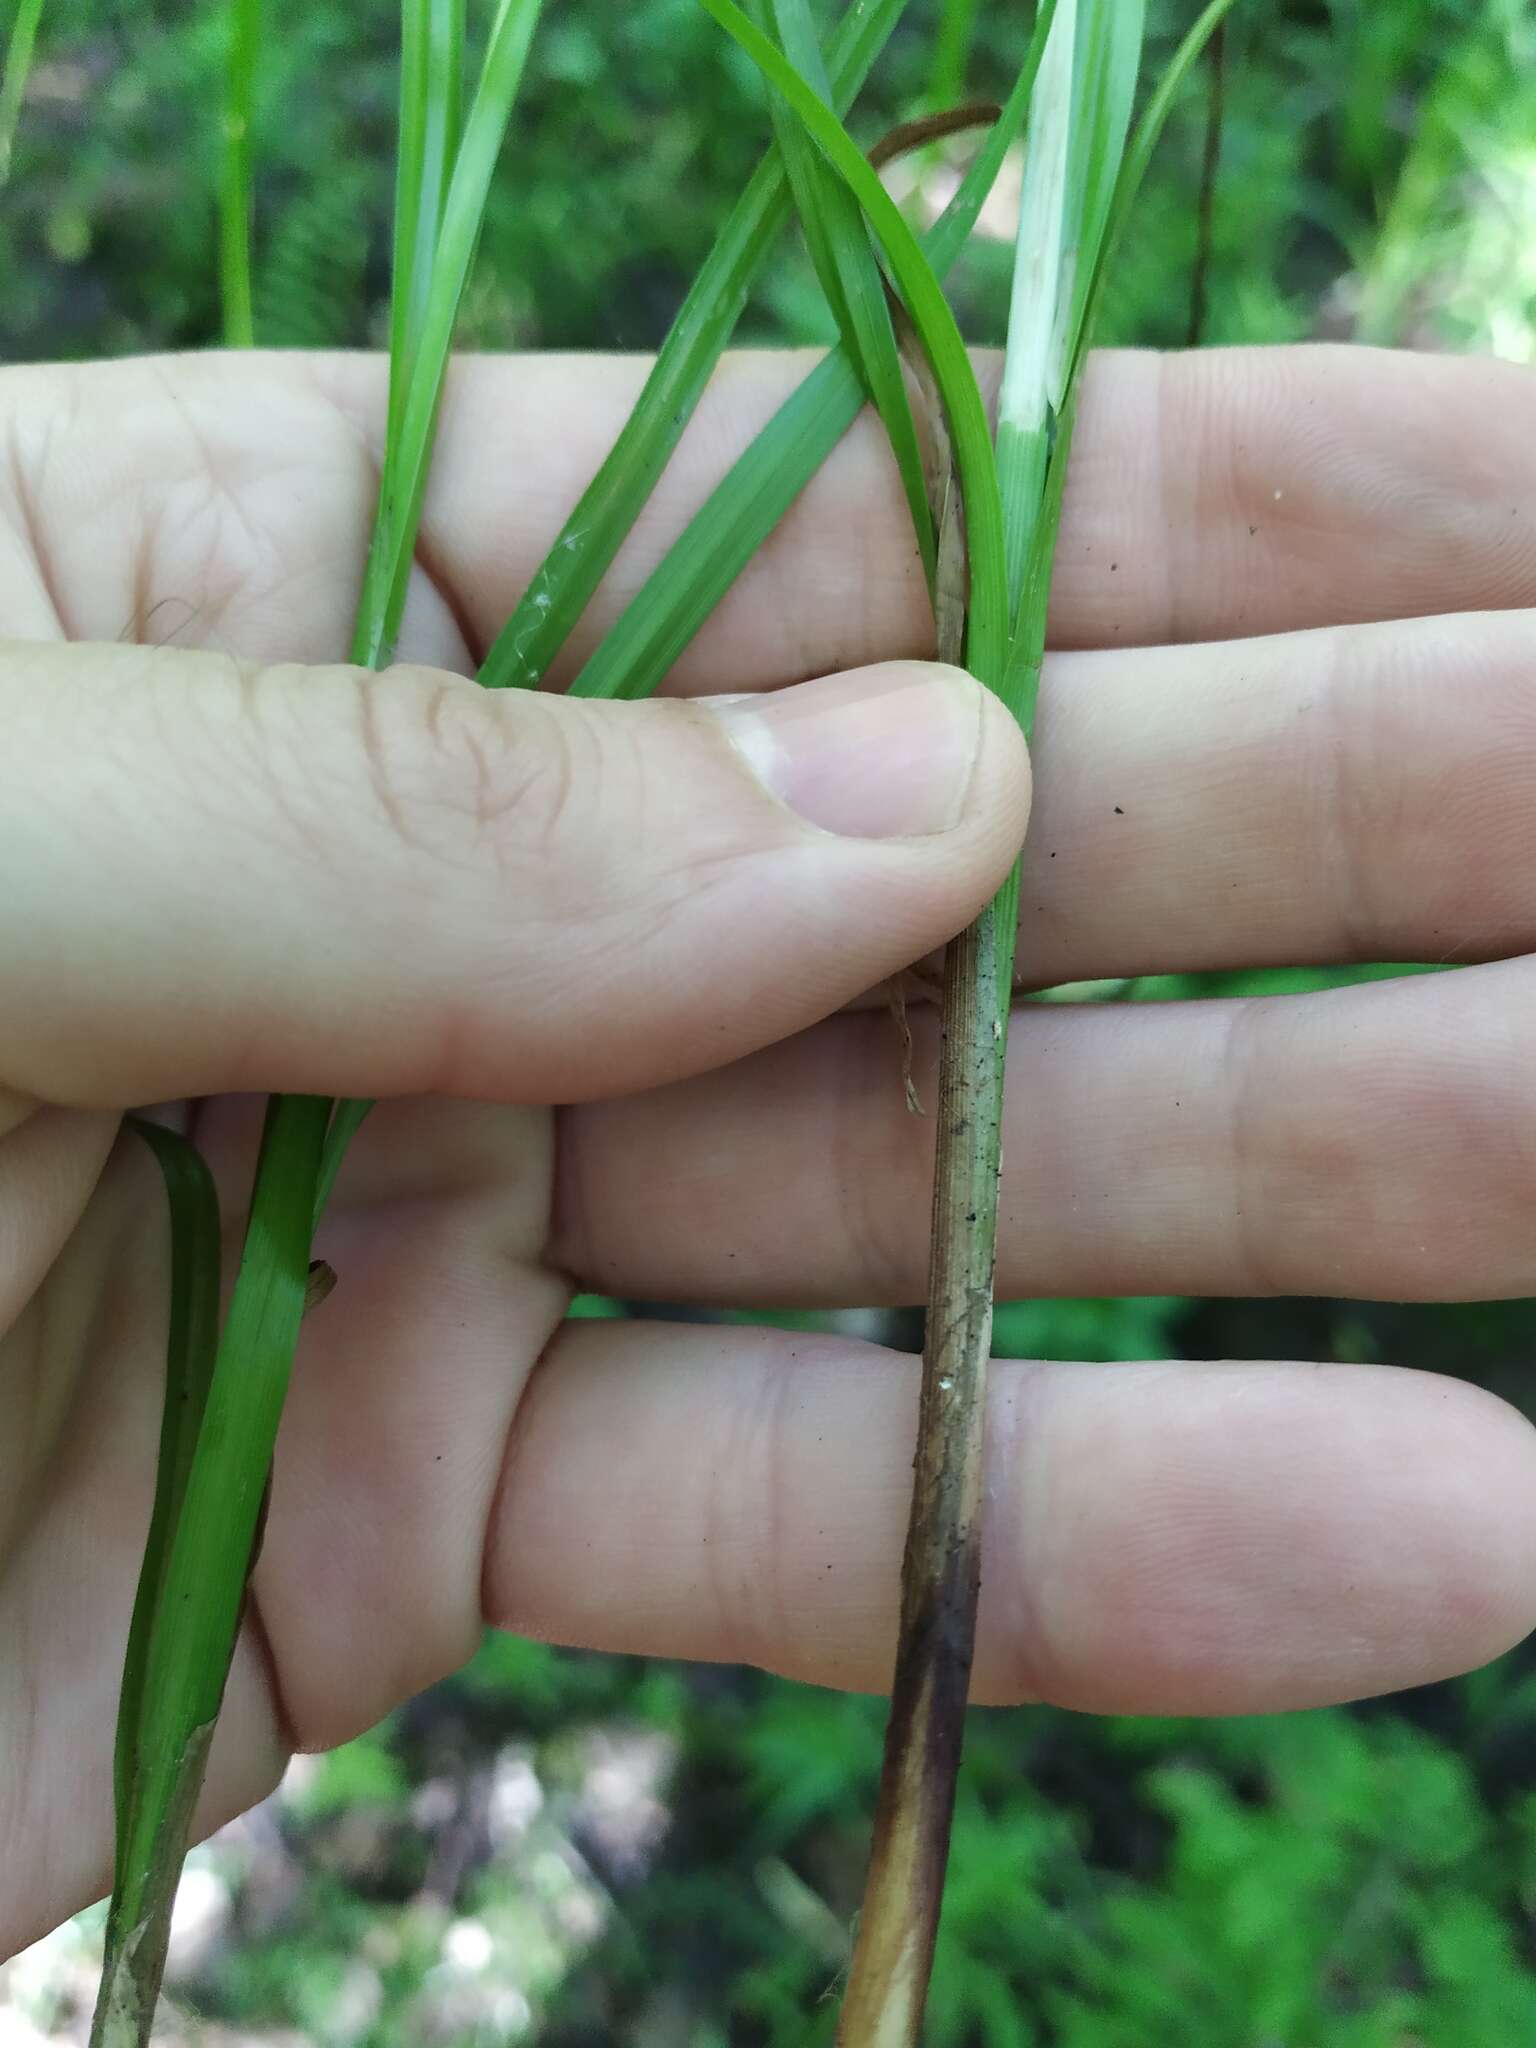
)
(896, 750)
(1252, 1538)
(1478, 1519)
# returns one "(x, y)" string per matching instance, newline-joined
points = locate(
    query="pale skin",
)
(222, 877)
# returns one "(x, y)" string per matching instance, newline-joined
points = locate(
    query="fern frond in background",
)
(311, 281)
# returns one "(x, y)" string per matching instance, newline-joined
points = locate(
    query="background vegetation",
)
(576, 1850)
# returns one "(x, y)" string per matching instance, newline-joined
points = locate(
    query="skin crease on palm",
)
(1289, 720)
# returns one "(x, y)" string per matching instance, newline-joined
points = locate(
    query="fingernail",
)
(878, 753)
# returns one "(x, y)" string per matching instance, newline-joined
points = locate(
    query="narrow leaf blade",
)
(191, 1344)
(586, 545)
(404, 483)
(718, 542)
(18, 68)
(935, 324)
(850, 277)
(431, 75)
(202, 1581)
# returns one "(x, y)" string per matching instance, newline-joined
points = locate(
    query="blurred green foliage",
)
(1325, 1880)
(1376, 162)
(1360, 1879)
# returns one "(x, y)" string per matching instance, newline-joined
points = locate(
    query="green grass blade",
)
(235, 200)
(1109, 54)
(1210, 169)
(185, 1662)
(563, 585)
(723, 536)
(213, 1495)
(1076, 141)
(18, 68)
(347, 1120)
(191, 1343)
(952, 52)
(404, 482)
(1139, 150)
(436, 243)
(935, 324)
(1028, 647)
(431, 85)
(845, 263)
(809, 184)
(1024, 400)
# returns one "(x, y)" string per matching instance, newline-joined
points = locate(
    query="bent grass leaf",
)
(935, 323)
(1032, 596)
(893, 1953)
(850, 278)
(750, 500)
(198, 1584)
(1077, 135)
(191, 1344)
(1074, 184)
(583, 550)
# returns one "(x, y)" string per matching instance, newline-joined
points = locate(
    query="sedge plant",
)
(1078, 181)
(214, 1471)
(985, 521)
(225, 1390)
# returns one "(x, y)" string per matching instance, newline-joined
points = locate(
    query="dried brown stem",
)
(909, 135)
(941, 1571)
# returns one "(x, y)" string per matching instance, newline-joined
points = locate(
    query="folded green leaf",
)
(560, 589)
(845, 264)
(1077, 135)
(723, 536)
(935, 323)
(191, 1344)
(193, 1592)
(1033, 591)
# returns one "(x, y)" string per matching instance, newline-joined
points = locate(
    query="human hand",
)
(223, 877)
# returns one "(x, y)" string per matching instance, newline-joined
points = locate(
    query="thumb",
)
(320, 880)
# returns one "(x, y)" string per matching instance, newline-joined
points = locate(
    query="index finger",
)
(1228, 492)
(1222, 493)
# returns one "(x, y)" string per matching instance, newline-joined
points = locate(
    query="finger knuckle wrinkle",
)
(1254, 1143)
(454, 777)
